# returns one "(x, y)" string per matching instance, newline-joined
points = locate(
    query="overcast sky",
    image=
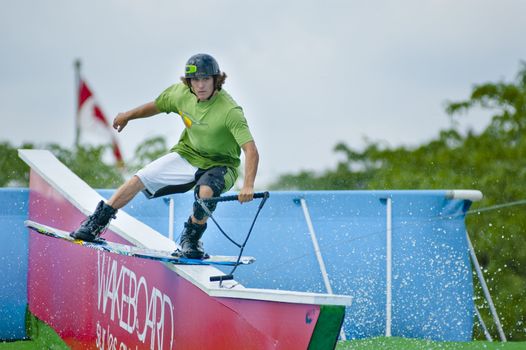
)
(308, 74)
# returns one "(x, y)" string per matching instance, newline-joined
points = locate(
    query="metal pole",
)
(388, 268)
(77, 65)
(171, 219)
(318, 253)
(483, 325)
(485, 289)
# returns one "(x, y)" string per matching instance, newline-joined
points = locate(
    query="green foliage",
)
(85, 161)
(493, 161)
(88, 162)
(13, 171)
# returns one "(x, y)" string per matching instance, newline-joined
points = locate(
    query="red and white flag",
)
(93, 126)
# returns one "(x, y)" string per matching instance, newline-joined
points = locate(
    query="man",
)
(206, 156)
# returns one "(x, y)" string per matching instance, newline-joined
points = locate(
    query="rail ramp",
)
(98, 300)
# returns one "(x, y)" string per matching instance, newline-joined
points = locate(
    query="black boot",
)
(191, 246)
(96, 223)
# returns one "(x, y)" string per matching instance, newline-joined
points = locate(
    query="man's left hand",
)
(246, 194)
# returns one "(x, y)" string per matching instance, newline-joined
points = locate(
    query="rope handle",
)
(233, 198)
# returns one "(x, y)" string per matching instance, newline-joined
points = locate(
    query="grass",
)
(395, 343)
(44, 337)
(41, 337)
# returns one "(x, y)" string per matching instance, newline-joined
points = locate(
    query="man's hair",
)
(219, 80)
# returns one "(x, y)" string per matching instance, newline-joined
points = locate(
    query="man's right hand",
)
(120, 121)
(144, 111)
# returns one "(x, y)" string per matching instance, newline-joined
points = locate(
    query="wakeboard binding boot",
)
(191, 246)
(94, 226)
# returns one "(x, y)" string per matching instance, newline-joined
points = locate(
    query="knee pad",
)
(199, 212)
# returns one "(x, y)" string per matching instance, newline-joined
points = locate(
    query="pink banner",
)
(97, 300)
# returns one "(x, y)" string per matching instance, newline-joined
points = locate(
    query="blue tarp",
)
(13, 263)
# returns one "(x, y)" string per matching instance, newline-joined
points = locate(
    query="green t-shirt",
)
(215, 129)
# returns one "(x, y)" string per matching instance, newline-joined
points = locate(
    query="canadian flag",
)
(93, 126)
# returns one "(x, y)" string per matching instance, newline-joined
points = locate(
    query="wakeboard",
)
(139, 252)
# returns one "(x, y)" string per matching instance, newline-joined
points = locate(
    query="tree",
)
(500, 234)
(508, 100)
(13, 171)
(85, 161)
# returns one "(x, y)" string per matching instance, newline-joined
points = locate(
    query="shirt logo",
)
(189, 121)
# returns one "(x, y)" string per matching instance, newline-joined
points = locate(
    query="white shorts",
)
(173, 174)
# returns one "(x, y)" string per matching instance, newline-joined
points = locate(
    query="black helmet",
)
(201, 65)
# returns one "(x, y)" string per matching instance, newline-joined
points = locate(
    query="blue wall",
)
(13, 263)
(432, 286)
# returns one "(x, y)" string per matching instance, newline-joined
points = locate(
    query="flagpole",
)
(77, 93)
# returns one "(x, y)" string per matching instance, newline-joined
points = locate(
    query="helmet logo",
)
(191, 68)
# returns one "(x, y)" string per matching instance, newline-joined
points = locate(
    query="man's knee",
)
(202, 192)
(205, 191)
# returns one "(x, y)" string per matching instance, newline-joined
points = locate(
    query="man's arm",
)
(251, 168)
(146, 110)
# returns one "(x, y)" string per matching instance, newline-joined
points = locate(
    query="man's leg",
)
(167, 174)
(191, 246)
(97, 222)
(126, 192)
(210, 184)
